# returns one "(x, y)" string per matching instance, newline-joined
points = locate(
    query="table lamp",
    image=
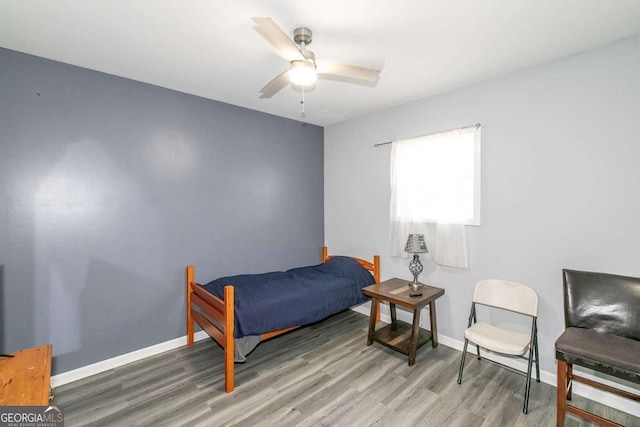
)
(415, 245)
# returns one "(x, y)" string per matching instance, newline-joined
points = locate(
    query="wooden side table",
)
(398, 335)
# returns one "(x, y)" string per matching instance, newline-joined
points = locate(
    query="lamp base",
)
(415, 267)
(416, 286)
(416, 289)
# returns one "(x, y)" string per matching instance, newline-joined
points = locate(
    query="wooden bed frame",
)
(215, 316)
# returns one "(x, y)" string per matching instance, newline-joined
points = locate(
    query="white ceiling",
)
(210, 47)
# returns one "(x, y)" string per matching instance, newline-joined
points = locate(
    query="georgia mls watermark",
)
(31, 416)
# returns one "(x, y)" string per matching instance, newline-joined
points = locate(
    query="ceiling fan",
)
(304, 70)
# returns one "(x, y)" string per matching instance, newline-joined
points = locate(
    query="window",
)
(436, 178)
(435, 191)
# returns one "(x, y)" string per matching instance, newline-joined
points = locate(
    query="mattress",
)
(283, 299)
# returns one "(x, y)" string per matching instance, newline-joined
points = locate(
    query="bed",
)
(241, 311)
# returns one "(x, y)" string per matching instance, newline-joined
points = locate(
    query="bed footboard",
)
(216, 317)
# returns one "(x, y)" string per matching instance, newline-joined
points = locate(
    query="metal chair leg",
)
(537, 359)
(527, 389)
(464, 354)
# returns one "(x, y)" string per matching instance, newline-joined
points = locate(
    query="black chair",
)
(602, 320)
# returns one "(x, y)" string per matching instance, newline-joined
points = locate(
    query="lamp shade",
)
(415, 244)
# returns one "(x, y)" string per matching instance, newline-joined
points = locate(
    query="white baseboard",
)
(123, 359)
(594, 394)
(607, 399)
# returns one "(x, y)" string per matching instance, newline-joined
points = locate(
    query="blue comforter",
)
(283, 299)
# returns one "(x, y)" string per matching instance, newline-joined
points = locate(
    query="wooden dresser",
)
(24, 378)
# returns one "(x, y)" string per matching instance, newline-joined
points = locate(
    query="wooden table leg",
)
(392, 309)
(434, 324)
(415, 332)
(568, 376)
(372, 320)
(561, 394)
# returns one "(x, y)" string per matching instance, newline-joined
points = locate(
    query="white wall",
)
(560, 166)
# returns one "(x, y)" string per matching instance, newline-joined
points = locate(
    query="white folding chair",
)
(510, 296)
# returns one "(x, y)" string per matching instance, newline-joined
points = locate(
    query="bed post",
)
(376, 268)
(324, 254)
(229, 347)
(190, 326)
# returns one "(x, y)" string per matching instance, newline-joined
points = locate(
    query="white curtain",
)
(427, 199)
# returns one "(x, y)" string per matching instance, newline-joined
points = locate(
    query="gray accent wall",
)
(560, 182)
(110, 187)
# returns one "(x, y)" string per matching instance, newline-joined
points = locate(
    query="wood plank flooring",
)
(320, 375)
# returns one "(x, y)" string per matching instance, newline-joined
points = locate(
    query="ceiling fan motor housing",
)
(302, 35)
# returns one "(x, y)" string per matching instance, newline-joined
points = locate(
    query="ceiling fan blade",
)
(275, 85)
(348, 71)
(278, 39)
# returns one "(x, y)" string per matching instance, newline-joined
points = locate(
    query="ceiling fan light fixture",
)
(303, 73)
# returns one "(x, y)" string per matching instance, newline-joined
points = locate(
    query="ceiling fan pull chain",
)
(302, 114)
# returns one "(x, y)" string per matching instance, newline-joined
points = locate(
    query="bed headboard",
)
(373, 267)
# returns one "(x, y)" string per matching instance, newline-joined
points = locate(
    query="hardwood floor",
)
(321, 375)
